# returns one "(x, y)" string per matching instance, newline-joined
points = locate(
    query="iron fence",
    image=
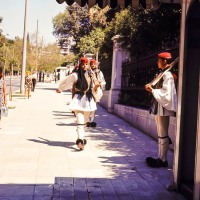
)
(106, 68)
(138, 73)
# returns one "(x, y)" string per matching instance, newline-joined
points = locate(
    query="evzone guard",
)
(87, 93)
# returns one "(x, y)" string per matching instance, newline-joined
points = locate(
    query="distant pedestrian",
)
(28, 83)
(3, 98)
(87, 92)
(100, 78)
(164, 106)
(34, 80)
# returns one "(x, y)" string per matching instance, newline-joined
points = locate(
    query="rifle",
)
(158, 78)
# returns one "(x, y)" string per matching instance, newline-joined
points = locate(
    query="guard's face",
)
(92, 65)
(85, 66)
(161, 63)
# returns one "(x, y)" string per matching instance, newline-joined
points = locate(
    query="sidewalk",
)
(39, 159)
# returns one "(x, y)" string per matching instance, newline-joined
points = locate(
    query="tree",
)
(122, 24)
(2, 42)
(78, 22)
(147, 29)
(50, 58)
(92, 42)
(156, 29)
(73, 22)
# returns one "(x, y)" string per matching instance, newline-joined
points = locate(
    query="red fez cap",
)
(84, 60)
(93, 61)
(165, 55)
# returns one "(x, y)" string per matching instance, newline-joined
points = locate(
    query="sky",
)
(13, 12)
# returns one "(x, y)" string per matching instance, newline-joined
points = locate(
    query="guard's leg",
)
(88, 120)
(150, 160)
(162, 123)
(93, 124)
(86, 117)
(158, 128)
(92, 116)
(164, 139)
(80, 142)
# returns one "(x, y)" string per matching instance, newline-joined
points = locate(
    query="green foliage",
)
(78, 22)
(73, 22)
(98, 17)
(92, 42)
(145, 29)
(156, 29)
(50, 58)
(122, 24)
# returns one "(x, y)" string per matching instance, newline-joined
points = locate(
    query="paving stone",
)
(17, 198)
(36, 197)
(43, 190)
(7, 190)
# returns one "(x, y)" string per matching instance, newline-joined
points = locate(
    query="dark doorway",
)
(190, 101)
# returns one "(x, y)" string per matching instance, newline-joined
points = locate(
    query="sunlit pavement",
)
(39, 158)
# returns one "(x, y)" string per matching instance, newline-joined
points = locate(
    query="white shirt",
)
(100, 77)
(166, 96)
(34, 75)
(80, 104)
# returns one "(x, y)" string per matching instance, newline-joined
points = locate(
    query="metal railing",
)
(136, 74)
(106, 68)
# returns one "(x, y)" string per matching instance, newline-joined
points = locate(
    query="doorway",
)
(189, 110)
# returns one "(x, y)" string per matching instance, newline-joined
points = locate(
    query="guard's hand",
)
(58, 91)
(148, 87)
(97, 84)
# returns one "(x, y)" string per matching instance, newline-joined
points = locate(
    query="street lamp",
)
(24, 50)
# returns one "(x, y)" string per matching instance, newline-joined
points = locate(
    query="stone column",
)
(119, 55)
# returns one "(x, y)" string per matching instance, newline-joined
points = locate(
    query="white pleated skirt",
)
(164, 112)
(82, 104)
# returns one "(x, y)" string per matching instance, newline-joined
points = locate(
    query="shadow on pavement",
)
(64, 124)
(62, 114)
(40, 88)
(52, 143)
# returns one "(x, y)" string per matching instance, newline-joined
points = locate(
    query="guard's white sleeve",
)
(166, 95)
(67, 82)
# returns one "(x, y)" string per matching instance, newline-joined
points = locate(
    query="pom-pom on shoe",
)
(80, 144)
(88, 124)
(93, 124)
(150, 160)
(84, 141)
(156, 163)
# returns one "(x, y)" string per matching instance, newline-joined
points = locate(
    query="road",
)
(14, 84)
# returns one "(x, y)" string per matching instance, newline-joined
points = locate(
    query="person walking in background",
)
(165, 104)
(100, 78)
(87, 93)
(28, 83)
(3, 98)
(34, 80)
